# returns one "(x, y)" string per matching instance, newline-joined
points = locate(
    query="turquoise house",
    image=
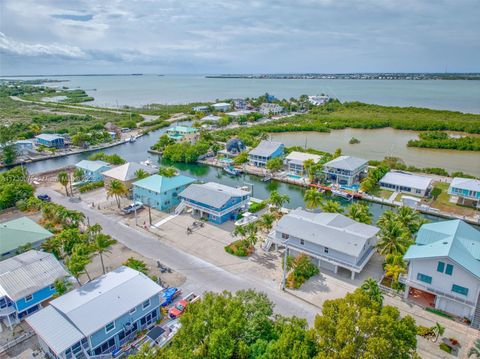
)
(160, 192)
(50, 140)
(215, 201)
(100, 317)
(93, 170)
(183, 134)
(467, 191)
(27, 282)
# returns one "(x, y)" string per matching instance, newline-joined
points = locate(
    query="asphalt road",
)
(201, 275)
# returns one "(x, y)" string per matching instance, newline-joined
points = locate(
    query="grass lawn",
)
(383, 193)
(443, 202)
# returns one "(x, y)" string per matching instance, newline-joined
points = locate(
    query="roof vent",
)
(445, 242)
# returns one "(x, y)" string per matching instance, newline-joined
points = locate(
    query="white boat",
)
(342, 194)
(246, 219)
(148, 163)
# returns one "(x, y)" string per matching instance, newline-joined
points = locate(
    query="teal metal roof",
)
(92, 166)
(183, 129)
(454, 239)
(20, 231)
(157, 183)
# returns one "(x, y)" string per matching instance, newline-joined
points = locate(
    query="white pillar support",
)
(405, 294)
(335, 269)
(352, 276)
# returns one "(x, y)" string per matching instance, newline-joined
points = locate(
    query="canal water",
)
(137, 152)
(376, 144)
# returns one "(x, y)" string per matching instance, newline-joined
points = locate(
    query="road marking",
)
(165, 220)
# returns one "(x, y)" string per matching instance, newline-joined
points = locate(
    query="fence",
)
(16, 341)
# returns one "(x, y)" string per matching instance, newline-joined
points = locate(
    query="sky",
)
(238, 36)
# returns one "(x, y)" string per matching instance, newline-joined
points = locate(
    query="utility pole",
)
(149, 212)
(284, 279)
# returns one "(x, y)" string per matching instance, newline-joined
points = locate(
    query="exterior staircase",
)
(180, 208)
(476, 315)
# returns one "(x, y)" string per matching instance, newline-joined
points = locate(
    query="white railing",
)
(16, 341)
(216, 213)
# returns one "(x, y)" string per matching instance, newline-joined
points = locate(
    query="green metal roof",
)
(157, 183)
(454, 239)
(20, 231)
(182, 129)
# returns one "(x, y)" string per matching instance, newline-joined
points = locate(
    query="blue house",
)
(215, 201)
(26, 282)
(160, 192)
(99, 317)
(92, 170)
(467, 191)
(265, 151)
(50, 140)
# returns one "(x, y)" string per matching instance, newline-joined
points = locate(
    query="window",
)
(133, 310)
(424, 278)
(52, 287)
(449, 269)
(28, 298)
(325, 250)
(302, 242)
(146, 304)
(285, 236)
(109, 327)
(459, 289)
(440, 267)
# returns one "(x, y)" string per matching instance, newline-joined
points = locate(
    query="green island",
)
(443, 140)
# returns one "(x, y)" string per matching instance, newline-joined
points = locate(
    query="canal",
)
(137, 152)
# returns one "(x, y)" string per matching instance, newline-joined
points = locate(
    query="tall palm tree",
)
(63, 179)
(117, 190)
(141, 173)
(167, 171)
(439, 330)
(394, 271)
(277, 200)
(410, 219)
(101, 244)
(136, 264)
(266, 221)
(312, 198)
(77, 264)
(386, 217)
(78, 174)
(308, 165)
(393, 239)
(62, 285)
(360, 212)
(331, 206)
(370, 287)
(475, 350)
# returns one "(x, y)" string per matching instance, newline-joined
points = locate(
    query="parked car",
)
(136, 206)
(169, 295)
(44, 197)
(178, 309)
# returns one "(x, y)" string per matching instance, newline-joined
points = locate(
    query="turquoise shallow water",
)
(140, 90)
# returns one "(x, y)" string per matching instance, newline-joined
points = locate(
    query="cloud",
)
(20, 48)
(74, 17)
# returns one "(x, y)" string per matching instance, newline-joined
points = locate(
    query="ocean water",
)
(114, 91)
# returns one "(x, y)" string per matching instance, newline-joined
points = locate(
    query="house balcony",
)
(404, 280)
(242, 204)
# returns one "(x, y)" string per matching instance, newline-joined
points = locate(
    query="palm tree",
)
(277, 200)
(136, 264)
(266, 221)
(62, 285)
(77, 264)
(395, 259)
(475, 350)
(370, 287)
(410, 219)
(78, 174)
(394, 271)
(63, 179)
(439, 330)
(312, 198)
(360, 212)
(251, 233)
(101, 244)
(167, 171)
(393, 239)
(331, 206)
(141, 173)
(117, 190)
(54, 246)
(308, 165)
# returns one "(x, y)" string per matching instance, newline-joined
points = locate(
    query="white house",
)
(406, 182)
(221, 106)
(270, 108)
(332, 240)
(318, 100)
(295, 160)
(466, 191)
(444, 269)
(345, 170)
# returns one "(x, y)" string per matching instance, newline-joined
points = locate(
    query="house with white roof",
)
(50, 140)
(99, 317)
(215, 201)
(444, 269)
(345, 170)
(183, 134)
(200, 108)
(295, 161)
(406, 183)
(270, 109)
(221, 106)
(466, 191)
(27, 283)
(266, 150)
(332, 240)
(92, 170)
(212, 118)
(318, 100)
(126, 173)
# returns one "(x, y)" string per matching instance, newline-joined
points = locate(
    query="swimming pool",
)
(226, 160)
(292, 176)
(354, 188)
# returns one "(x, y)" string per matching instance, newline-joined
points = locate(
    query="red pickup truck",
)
(178, 308)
